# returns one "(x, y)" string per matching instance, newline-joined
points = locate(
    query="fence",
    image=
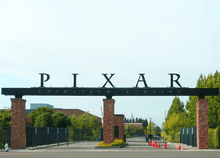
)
(189, 136)
(135, 132)
(86, 134)
(6, 135)
(36, 136)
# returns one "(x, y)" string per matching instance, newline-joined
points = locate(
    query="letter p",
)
(42, 78)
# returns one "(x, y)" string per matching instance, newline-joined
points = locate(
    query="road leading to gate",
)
(88, 150)
(90, 145)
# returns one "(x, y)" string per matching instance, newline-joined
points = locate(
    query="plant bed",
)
(118, 143)
(121, 146)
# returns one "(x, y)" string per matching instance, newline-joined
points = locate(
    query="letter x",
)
(108, 80)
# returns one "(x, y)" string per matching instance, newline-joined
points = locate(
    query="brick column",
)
(202, 124)
(17, 123)
(108, 129)
(119, 121)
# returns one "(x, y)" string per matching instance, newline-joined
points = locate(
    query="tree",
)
(60, 120)
(84, 121)
(211, 81)
(5, 117)
(150, 128)
(125, 120)
(173, 125)
(93, 123)
(140, 120)
(157, 130)
(177, 107)
(28, 121)
(74, 122)
(44, 120)
(129, 130)
(39, 111)
(145, 123)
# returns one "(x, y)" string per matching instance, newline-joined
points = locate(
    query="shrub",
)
(211, 138)
(217, 137)
(117, 142)
(214, 138)
(1, 137)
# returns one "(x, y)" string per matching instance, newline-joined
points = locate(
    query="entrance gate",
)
(6, 135)
(36, 136)
(111, 121)
(135, 135)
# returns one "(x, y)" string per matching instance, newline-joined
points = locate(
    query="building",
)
(77, 112)
(67, 112)
(37, 105)
(134, 125)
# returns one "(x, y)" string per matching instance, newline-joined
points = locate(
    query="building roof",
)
(134, 125)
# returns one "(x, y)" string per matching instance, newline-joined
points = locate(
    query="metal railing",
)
(36, 136)
(188, 136)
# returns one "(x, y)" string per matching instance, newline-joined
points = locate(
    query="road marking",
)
(17, 154)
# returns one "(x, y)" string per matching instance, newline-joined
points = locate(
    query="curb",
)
(176, 146)
(46, 146)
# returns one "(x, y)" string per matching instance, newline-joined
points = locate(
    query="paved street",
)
(88, 150)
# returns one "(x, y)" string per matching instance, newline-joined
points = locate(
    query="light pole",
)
(150, 129)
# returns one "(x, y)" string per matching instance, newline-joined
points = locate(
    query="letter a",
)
(143, 80)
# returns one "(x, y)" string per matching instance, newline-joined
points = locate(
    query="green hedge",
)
(214, 138)
(211, 138)
(217, 137)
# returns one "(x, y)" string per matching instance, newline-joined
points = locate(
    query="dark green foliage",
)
(40, 113)
(5, 117)
(145, 123)
(44, 120)
(211, 81)
(157, 130)
(1, 137)
(60, 120)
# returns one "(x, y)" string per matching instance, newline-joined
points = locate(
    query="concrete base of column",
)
(18, 123)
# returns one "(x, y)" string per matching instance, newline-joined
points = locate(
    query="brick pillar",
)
(108, 129)
(202, 124)
(17, 123)
(119, 121)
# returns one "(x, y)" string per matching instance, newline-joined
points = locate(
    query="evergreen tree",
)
(145, 123)
(176, 107)
(211, 81)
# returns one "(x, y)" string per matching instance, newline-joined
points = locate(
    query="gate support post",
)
(108, 129)
(202, 124)
(17, 123)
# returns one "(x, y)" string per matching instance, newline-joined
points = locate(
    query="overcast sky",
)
(155, 37)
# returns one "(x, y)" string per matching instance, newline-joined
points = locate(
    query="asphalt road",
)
(87, 150)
